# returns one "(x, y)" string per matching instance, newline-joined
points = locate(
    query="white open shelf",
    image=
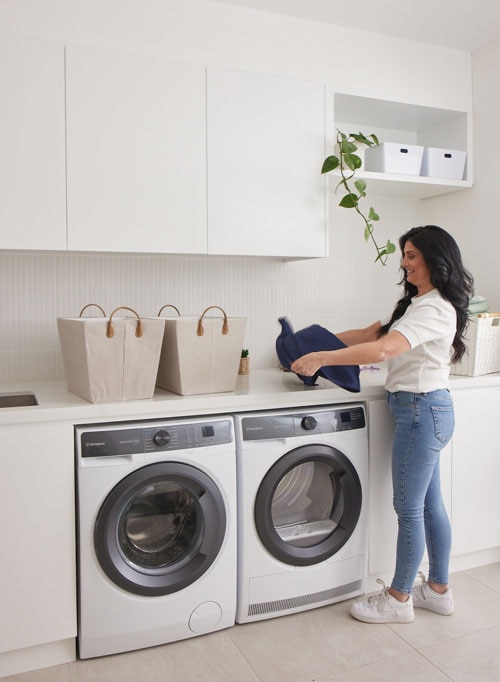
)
(400, 185)
(403, 123)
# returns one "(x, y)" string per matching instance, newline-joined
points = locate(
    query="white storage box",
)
(482, 355)
(443, 163)
(111, 359)
(391, 157)
(201, 354)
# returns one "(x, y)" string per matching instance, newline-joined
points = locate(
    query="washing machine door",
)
(160, 528)
(308, 505)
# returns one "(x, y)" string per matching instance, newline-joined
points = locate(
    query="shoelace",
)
(379, 596)
(420, 587)
(421, 576)
(421, 590)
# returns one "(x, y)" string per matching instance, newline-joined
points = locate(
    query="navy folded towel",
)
(291, 345)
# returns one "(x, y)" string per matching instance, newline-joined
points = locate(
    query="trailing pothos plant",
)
(348, 162)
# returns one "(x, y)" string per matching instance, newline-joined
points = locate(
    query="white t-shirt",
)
(429, 324)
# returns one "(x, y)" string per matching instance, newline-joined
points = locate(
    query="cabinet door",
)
(476, 470)
(32, 160)
(37, 509)
(383, 521)
(136, 153)
(266, 195)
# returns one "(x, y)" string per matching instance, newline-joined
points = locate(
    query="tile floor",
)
(323, 645)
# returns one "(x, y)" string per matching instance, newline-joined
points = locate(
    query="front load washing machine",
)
(302, 509)
(156, 520)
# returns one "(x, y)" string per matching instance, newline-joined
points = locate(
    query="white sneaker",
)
(424, 597)
(382, 607)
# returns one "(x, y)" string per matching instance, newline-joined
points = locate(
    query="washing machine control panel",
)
(113, 440)
(288, 425)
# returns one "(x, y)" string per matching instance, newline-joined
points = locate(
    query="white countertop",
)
(261, 389)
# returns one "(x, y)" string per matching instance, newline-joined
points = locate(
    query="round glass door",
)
(308, 505)
(160, 528)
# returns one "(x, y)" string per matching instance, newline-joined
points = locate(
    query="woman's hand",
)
(388, 346)
(307, 365)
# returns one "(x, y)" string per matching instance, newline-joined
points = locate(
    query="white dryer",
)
(156, 519)
(302, 509)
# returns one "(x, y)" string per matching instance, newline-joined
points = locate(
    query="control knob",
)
(161, 437)
(309, 423)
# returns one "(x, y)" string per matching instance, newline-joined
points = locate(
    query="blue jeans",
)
(424, 424)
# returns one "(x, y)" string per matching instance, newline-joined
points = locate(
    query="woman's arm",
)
(388, 346)
(355, 336)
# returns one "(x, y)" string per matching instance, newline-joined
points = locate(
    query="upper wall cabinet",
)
(32, 161)
(402, 123)
(136, 147)
(266, 195)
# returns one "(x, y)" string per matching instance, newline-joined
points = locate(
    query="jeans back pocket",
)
(444, 422)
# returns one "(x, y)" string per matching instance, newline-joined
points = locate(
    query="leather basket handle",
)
(110, 332)
(89, 305)
(200, 330)
(168, 305)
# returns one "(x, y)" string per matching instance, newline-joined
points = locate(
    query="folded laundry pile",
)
(291, 345)
(478, 304)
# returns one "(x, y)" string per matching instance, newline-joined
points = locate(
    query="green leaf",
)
(360, 185)
(362, 139)
(372, 215)
(330, 163)
(390, 247)
(368, 231)
(347, 147)
(375, 139)
(352, 161)
(349, 201)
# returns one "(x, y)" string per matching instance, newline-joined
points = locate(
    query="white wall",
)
(473, 215)
(214, 33)
(342, 291)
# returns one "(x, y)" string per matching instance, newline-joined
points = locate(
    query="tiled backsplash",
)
(343, 291)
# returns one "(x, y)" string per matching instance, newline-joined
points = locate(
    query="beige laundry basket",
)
(201, 354)
(110, 359)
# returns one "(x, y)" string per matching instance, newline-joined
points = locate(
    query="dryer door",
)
(308, 505)
(160, 528)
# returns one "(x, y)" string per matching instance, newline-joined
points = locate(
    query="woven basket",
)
(482, 341)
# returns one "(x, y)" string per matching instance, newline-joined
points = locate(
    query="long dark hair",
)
(448, 275)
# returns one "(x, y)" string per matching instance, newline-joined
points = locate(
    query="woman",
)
(423, 335)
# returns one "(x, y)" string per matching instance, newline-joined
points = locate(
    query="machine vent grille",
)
(304, 600)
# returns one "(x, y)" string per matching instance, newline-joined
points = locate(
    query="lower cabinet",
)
(476, 470)
(383, 523)
(37, 512)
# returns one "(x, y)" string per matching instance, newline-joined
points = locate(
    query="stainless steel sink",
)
(18, 399)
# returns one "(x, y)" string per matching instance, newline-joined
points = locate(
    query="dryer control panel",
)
(290, 424)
